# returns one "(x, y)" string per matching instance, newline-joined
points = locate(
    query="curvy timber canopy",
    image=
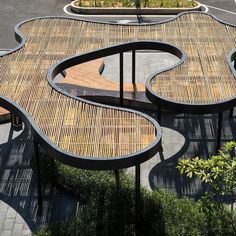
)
(89, 135)
(204, 79)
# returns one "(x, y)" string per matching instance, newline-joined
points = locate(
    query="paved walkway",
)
(183, 136)
(11, 223)
(18, 187)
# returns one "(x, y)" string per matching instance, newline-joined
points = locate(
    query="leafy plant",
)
(135, 3)
(219, 172)
(106, 211)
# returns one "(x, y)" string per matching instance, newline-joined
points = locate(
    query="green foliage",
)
(133, 3)
(162, 214)
(219, 172)
(220, 221)
(180, 217)
(104, 210)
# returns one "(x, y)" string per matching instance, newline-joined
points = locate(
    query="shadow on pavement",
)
(18, 185)
(200, 134)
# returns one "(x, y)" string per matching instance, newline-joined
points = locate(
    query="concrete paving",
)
(147, 63)
(18, 184)
(224, 10)
(184, 136)
(12, 12)
(12, 223)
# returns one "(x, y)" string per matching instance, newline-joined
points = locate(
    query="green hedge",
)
(105, 211)
(133, 3)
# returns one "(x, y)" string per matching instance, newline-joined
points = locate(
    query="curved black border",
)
(95, 163)
(123, 161)
(196, 108)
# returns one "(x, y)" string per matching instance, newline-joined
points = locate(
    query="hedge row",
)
(133, 3)
(106, 211)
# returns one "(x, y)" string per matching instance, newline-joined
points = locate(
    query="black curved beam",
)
(208, 108)
(128, 160)
(182, 107)
(94, 163)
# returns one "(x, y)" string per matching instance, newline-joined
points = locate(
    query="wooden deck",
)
(86, 80)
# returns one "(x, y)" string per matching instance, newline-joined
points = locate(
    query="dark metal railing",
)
(118, 49)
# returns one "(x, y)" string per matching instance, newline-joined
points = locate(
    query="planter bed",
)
(131, 11)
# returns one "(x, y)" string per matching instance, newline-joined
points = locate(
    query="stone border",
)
(131, 11)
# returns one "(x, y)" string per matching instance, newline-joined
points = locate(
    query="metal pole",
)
(121, 79)
(133, 66)
(137, 197)
(16, 121)
(137, 3)
(117, 176)
(39, 190)
(231, 113)
(159, 115)
(220, 118)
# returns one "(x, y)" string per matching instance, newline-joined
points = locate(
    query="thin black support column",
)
(137, 197)
(231, 113)
(39, 190)
(16, 122)
(133, 67)
(220, 118)
(159, 115)
(121, 79)
(117, 176)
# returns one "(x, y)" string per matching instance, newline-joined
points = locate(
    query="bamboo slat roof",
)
(75, 126)
(205, 76)
(83, 129)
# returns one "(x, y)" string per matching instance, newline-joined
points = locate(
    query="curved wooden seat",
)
(3, 112)
(88, 75)
(4, 115)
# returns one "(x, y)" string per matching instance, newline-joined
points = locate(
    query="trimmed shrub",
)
(133, 3)
(106, 210)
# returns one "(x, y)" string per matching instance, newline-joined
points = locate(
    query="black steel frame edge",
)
(43, 140)
(152, 96)
(94, 163)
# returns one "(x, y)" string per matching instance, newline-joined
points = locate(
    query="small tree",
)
(219, 172)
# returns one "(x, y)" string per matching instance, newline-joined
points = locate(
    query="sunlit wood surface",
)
(87, 130)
